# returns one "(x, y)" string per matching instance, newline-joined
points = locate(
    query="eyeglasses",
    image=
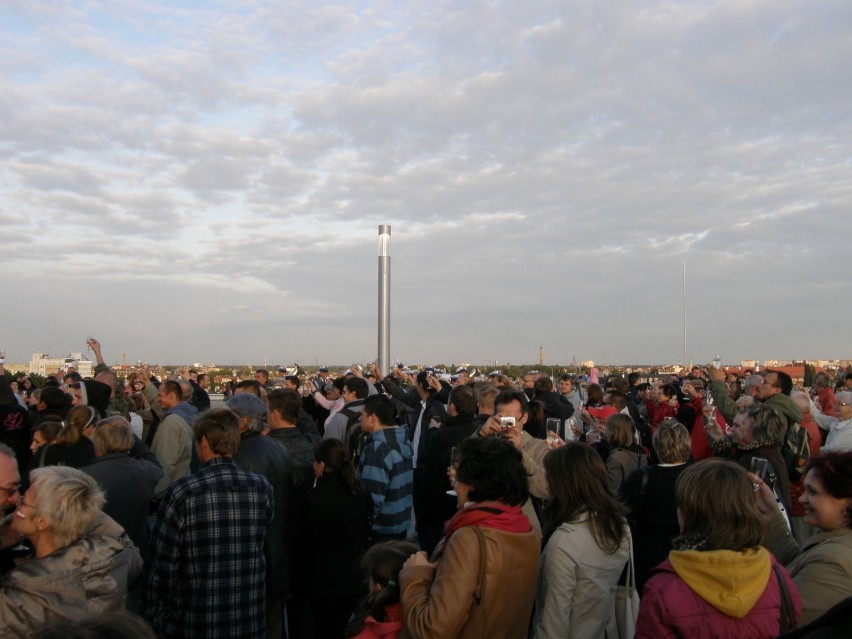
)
(14, 489)
(20, 502)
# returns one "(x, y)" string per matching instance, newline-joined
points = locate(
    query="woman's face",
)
(463, 492)
(741, 432)
(38, 442)
(821, 509)
(25, 518)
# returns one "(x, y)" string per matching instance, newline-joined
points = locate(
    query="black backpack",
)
(353, 435)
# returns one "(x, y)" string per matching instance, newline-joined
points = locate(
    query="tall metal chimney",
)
(384, 298)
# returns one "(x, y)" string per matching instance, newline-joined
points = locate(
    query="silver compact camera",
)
(507, 422)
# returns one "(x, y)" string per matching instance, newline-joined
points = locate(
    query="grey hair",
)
(5, 450)
(253, 425)
(69, 499)
(801, 398)
(844, 396)
(744, 402)
(113, 435)
(752, 381)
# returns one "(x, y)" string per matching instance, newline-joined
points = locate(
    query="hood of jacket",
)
(185, 410)
(728, 580)
(786, 406)
(96, 394)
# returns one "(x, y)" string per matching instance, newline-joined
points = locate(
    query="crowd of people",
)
(405, 503)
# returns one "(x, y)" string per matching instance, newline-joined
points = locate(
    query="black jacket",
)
(332, 538)
(270, 458)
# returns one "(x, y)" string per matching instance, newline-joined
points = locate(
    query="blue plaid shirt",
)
(205, 570)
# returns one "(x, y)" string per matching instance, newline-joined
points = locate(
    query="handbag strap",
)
(788, 618)
(480, 578)
(630, 582)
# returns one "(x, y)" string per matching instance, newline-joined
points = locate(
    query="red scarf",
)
(489, 514)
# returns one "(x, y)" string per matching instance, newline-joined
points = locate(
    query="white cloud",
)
(547, 168)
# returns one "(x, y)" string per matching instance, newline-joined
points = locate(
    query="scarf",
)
(485, 514)
(489, 514)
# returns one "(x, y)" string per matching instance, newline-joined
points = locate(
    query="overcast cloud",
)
(204, 183)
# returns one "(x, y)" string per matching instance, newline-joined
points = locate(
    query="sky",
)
(203, 181)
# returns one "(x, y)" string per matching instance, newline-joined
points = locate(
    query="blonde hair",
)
(671, 442)
(78, 418)
(69, 499)
(619, 430)
(113, 435)
(716, 501)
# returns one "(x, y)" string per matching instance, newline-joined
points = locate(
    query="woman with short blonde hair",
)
(83, 560)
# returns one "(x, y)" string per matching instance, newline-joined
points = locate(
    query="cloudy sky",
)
(203, 181)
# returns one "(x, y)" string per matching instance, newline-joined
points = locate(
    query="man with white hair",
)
(839, 428)
(752, 384)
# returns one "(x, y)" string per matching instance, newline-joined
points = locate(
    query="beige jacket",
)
(821, 568)
(437, 602)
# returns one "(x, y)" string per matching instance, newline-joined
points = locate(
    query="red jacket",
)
(388, 629)
(671, 608)
(826, 401)
(661, 412)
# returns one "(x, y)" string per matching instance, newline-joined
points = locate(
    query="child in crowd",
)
(379, 616)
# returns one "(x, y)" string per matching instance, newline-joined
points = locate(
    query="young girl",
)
(379, 616)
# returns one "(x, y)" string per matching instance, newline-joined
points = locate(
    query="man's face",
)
(463, 379)
(565, 386)
(76, 397)
(204, 382)
(261, 378)
(767, 389)
(529, 381)
(167, 400)
(512, 409)
(9, 480)
(369, 423)
(290, 385)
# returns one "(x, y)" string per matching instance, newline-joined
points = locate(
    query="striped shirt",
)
(387, 469)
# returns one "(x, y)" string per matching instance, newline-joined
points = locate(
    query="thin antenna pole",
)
(685, 361)
(384, 298)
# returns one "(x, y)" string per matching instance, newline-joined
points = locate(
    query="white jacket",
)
(576, 583)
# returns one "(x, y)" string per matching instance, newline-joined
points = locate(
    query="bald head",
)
(109, 378)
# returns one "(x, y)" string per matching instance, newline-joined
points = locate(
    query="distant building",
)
(44, 364)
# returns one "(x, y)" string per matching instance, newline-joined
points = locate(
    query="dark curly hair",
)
(835, 472)
(494, 470)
